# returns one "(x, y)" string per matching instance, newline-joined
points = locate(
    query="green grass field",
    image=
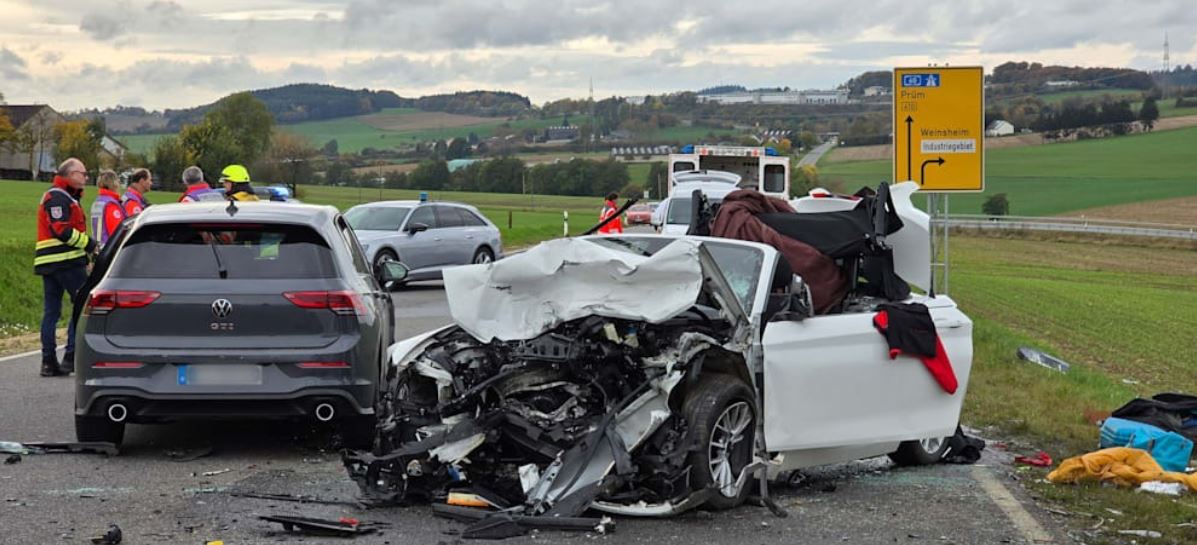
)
(1115, 313)
(1057, 178)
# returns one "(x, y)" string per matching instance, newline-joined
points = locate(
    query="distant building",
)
(1061, 84)
(37, 122)
(876, 91)
(1000, 127)
(636, 100)
(457, 164)
(113, 149)
(562, 132)
(808, 97)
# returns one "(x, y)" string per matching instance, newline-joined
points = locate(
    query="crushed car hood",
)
(524, 295)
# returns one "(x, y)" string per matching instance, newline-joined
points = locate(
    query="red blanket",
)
(737, 220)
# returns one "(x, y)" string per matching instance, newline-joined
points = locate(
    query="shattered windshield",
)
(740, 265)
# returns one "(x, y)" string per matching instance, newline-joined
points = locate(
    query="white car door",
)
(829, 382)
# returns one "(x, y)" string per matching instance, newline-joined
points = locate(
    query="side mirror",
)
(392, 272)
(417, 227)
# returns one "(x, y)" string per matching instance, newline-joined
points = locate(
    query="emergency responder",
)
(236, 184)
(134, 198)
(61, 258)
(107, 211)
(197, 189)
(614, 226)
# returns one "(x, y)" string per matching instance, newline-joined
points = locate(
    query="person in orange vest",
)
(134, 198)
(106, 212)
(60, 258)
(614, 226)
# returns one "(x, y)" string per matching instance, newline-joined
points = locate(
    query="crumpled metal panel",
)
(527, 294)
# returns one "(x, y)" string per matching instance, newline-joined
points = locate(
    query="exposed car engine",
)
(521, 425)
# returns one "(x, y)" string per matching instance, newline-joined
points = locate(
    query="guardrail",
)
(1074, 225)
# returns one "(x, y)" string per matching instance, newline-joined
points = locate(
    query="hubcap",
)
(726, 438)
(482, 257)
(931, 445)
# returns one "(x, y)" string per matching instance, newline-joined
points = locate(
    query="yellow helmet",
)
(235, 174)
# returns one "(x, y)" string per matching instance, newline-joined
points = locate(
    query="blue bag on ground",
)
(1171, 450)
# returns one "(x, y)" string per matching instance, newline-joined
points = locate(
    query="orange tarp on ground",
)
(1121, 466)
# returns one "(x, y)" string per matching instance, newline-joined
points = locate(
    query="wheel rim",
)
(931, 445)
(482, 257)
(726, 447)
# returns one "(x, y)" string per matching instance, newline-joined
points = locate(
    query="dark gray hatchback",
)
(207, 311)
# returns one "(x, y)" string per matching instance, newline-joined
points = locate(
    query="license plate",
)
(220, 374)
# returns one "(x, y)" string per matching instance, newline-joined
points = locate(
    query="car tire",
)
(358, 432)
(383, 255)
(482, 256)
(95, 429)
(919, 453)
(721, 408)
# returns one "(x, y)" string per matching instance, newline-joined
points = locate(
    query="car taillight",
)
(347, 303)
(104, 301)
(323, 365)
(118, 365)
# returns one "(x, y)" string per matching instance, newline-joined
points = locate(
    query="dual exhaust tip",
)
(118, 412)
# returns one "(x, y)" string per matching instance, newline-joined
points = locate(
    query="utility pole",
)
(1167, 60)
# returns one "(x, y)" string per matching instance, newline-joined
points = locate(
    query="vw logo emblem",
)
(221, 308)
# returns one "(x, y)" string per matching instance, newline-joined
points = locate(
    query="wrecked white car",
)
(647, 375)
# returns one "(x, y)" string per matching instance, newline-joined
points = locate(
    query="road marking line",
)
(19, 356)
(1023, 521)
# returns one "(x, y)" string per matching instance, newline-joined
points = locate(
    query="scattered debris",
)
(1160, 487)
(1040, 459)
(12, 459)
(1114, 512)
(325, 527)
(108, 449)
(215, 473)
(502, 525)
(963, 448)
(1095, 416)
(1039, 358)
(182, 455)
(9, 447)
(294, 498)
(1130, 381)
(1141, 533)
(111, 537)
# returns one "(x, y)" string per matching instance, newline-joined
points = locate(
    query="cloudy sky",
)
(176, 53)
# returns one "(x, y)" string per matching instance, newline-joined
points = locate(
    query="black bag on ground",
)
(1167, 411)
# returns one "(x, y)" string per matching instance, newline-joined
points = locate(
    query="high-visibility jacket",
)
(614, 226)
(62, 240)
(134, 202)
(242, 191)
(200, 191)
(106, 215)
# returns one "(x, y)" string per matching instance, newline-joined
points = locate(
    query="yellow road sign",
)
(939, 128)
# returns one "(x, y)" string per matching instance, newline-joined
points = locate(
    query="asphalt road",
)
(155, 498)
(817, 153)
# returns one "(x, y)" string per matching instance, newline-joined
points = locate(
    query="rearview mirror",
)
(414, 228)
(392, 272)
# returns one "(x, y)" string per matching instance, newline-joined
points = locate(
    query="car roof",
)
(387, 204)
(247, 212)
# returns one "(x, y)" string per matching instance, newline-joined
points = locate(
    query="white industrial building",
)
(999, 127)
(809, 96)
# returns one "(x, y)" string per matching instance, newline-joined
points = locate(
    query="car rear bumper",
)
(146, 407)
(169, 391)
